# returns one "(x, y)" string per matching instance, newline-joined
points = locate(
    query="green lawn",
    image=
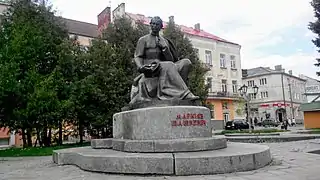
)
(315, 131)
(36, 151)
(259, 131)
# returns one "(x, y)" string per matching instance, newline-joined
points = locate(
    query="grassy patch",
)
(36, 151)
(314, 131)
(259, 131)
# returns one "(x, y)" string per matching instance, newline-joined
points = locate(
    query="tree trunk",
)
(45, 135)
(35, 143)
(39, 138)
(60, 133)
(49, 138)
(24, 141)
(29, 137)
(80, 132)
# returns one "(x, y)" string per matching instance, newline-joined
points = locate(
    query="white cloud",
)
(252, 23)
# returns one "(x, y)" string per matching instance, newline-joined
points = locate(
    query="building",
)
(311, 112)
(221, 56)
(84, 32)
(311, 109)
(280, 93)
(312, 89)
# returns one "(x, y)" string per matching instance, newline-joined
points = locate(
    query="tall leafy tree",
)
(315, 28)
(185, 50)
(113, 71)
(123, 37)
(30, 36)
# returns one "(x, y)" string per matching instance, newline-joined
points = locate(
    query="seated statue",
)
(163, 76)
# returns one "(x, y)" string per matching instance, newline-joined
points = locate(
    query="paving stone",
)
(40, 168)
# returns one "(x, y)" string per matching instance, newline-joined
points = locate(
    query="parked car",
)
(268, 122)
(236, 124)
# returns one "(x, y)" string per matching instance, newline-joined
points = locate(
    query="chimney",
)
(171, 19)
(290, 72)
(197, 27)
(244, 73)
(279, 68)
(104, 19)
(119, 11)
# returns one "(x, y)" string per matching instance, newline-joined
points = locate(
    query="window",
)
(251, 83)
(263, 81)
(234, 87)
(264, 95)
(212, 111)
(252, 96)
(233, 62)
(208, 57)
(222, 61)
(209, 83)
(225, 105)
(224, 85)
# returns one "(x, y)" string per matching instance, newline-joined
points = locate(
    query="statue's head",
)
(156, 24)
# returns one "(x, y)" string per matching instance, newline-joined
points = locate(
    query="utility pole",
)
(291, 102)
(249, 114)
(284, 97)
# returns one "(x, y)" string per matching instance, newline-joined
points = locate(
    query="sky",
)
(270, 32)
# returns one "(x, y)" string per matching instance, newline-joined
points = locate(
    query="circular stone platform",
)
(164, 145)
(236, 157)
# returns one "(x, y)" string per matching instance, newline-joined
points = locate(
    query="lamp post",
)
(243, 92)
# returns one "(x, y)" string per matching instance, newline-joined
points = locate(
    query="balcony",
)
(223, 95)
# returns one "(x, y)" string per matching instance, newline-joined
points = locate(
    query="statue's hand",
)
(150, 70)
(142, 69)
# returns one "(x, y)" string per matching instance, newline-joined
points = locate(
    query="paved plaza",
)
(291, 162)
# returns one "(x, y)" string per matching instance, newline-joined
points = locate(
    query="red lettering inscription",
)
(189, 119)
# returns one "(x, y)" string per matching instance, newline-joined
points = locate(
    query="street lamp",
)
(255, 89)
(243, 91)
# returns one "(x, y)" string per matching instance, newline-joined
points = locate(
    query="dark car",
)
(268, 122)
(237, 124)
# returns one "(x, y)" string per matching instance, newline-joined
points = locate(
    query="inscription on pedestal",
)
(170, 122)
(189, 119)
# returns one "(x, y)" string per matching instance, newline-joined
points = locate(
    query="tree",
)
(111, 75)
(30, 37)
(315, 28)
(185, 50)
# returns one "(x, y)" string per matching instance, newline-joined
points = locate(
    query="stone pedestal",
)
(171, 122)
(171, 140)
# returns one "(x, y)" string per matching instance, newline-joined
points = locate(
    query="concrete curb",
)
(271, 139)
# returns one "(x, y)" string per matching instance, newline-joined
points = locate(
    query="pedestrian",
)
(285, 123)
(289, 122)
(294, 121)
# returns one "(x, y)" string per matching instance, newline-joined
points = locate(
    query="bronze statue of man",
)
(163, 76)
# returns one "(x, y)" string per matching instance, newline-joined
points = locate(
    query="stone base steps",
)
(163, 145)
(236, 157)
